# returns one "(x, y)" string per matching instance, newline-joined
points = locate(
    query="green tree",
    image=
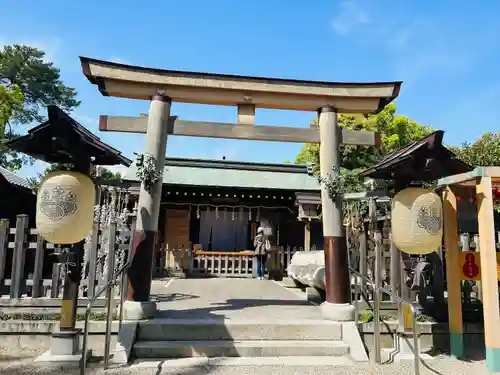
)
(395, 130)
(104, 174)
(39, 81)
(485, 152)
(11, 103)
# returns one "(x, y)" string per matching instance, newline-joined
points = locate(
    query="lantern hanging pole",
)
(72, 276)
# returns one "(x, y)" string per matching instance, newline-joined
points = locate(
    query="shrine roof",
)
(61, 139)
(424, 160)
(236, 174)
(13, 178)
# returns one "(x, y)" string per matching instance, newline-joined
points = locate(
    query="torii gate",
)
(162, 87)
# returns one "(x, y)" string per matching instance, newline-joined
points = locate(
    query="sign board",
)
(470, 265)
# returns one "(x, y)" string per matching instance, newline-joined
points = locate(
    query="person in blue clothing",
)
(261, 247)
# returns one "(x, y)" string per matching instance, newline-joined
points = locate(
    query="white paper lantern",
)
(65, 207)
(417, 221)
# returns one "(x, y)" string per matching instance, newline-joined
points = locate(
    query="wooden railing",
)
(221, 263)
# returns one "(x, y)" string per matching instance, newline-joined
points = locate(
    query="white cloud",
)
(415, 46)
(351, 16)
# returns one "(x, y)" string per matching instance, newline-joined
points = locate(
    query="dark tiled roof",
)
(423, 160)
(13, 178)
(61, 138)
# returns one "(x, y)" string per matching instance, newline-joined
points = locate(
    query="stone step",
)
(241, 362)
(226, 329)
(232, 348)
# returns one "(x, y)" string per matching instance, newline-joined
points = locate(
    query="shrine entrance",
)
(247, 94)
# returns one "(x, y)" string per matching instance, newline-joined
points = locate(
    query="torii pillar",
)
(337, 305)
(138, 305)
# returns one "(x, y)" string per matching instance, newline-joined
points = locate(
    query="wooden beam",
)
(234, 131)
(246, 114)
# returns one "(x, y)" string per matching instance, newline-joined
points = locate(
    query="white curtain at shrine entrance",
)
(223, 234)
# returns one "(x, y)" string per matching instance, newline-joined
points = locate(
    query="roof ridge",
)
(230, 164)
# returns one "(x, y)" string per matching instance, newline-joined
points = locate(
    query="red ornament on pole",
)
(470, 268)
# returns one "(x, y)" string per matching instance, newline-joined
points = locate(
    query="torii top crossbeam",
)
(129, 81)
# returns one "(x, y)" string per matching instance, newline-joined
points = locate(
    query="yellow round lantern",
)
(417, 221)
(65, 207)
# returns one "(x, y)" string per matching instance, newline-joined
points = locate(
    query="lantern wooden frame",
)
(485, 180)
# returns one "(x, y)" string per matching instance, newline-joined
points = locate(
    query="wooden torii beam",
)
(234, 131)
(162, 86)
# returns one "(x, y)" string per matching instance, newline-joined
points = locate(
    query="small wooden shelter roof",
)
(423, 160)
(136, 82)
(61, 139)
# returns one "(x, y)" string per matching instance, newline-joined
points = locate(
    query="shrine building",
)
(217, 205)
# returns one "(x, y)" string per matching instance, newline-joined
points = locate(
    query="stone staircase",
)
(257, 341)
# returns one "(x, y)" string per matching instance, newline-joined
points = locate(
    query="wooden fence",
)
(26, 253)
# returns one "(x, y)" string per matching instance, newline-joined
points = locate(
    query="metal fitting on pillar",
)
(326, 108)
(162, 97)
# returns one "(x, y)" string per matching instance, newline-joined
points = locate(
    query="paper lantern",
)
(417, 221)
(65, 207)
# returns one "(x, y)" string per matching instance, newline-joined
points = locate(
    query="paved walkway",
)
(231, 299)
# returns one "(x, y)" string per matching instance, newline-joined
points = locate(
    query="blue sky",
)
(446, 52)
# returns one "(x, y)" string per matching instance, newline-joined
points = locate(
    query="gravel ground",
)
(439, 366)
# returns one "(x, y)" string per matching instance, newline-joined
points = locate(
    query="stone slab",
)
(241, 329)
(230, 348)
(125, 342)
(65, 361)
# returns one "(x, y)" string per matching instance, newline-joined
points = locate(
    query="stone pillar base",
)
(133, 310)
(64, 350)
(403, 350)
(340, 312)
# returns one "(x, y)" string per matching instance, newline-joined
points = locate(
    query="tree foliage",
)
(11, 103)
(28, 84)
(39, 81)
(485, 152)
(395, 130)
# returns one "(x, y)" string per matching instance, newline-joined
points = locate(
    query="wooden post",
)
(56, 282)
(307, 236)
(337, 285)
(4, 241)
(479, 288)
(94, 243)
(37, 274)
(455, 320)
(18, 256)
(489, 277)
(363, 258)
(72, 275)
(377, 236)
(395, 271)
(138, 305)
